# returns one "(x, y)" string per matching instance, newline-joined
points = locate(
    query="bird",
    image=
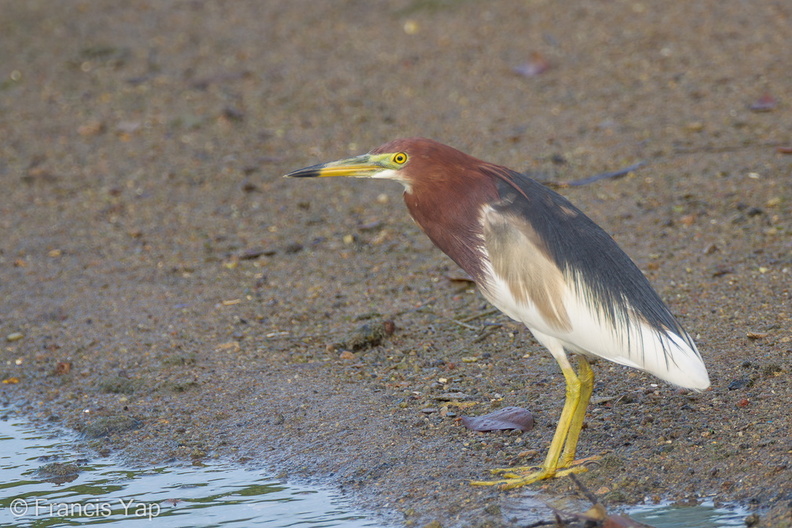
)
(541, 261)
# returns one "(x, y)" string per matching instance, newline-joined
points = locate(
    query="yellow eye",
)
(400, 158)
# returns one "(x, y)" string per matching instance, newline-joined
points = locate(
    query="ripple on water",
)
(36, 490)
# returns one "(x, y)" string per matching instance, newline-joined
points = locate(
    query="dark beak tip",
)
(302, 174)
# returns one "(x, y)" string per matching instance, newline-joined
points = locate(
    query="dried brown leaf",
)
(502, 419)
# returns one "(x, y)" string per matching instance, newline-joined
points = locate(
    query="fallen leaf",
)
(502, 419)
(764, 104)
(536, 65)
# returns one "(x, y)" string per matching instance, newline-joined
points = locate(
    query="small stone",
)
(740, 383)
(722, 269)
(411, 27)
(370, 226)
(688, 220)
(292, 248)
(368, 335)
(15, 336)
(254, 253)
(63, 367)
(694, 126)
(128, 127)
(92, 128)
(451, 396)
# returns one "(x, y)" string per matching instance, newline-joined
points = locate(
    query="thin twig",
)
(488, 331)
(555, 522)
(583, 489)
(591, 179)
(460, 323)
(480, 314)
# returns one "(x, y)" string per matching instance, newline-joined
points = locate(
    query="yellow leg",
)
(560, 459)
(586, 379)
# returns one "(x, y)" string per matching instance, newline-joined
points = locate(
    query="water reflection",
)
(705, 515)
(45, 483)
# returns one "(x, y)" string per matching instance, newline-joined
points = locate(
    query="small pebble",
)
(292, 248)
(740, 383)
(451, 396)
(411, 27)
(91, 128)
(694, 126)
(15, 336)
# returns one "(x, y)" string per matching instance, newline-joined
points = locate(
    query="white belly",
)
(627, 341)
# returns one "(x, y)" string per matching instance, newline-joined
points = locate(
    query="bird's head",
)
(404, 160)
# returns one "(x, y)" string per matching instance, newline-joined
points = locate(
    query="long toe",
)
(580, 461)
(524, 470)
(515, 479)
(522, 476)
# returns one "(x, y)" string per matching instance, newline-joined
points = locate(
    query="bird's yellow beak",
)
(364, 166)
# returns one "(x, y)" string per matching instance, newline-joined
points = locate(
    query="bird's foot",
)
(522, 476)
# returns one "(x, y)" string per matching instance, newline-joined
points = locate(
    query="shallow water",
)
(221, 495)
(532, 507)
(705, 515)
(107, 491)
